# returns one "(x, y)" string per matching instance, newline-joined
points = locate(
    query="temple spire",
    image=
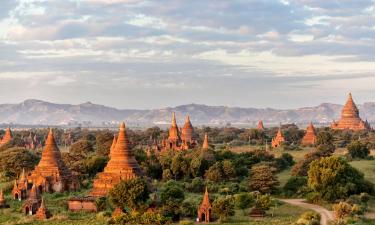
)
(205, 142)
(174, 123)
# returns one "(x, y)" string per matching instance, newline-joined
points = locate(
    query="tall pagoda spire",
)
(260, 125)
(204, 210)
(113, 143)
(187, 133)
(174, 134)
(121, 166)
(205, 142)
(7, 136)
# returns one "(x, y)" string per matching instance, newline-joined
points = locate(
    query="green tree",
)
(130, 194)
(13, 160)
(333, 178)
(215, 172)
(243, 201)
(172, 192)
(357, 149)
(263, 179)
(103, 143)
(223, 207)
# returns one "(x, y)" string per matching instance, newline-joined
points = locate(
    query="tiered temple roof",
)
(113, 144)
(7, 137)
(278, 139)
(51, 174)
(350, 118)
(121, 166)
(310, 136)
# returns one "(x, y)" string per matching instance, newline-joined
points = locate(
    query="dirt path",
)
(326, 216)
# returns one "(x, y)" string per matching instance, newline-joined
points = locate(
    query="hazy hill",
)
(36, 112)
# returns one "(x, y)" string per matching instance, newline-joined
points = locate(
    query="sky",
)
(158, 53)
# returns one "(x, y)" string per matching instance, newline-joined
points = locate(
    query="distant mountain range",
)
(36, 112)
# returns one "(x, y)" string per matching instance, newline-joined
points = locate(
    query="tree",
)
(103, 143)
(263, 202)
(130, 193)
(223, 207)
(342, 210)
(215, 172)
(357, 149)
(262, 179)
(95, 164)
(308, 218)
(14, 160)
(333, 178)
(243, 201)
(172, 192)
(228, 169)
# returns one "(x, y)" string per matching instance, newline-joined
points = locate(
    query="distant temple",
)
(350, 118)
(260, 125)
(3, 203)
(204, 210)
(7, 137)
(205, 142)
(278, 139)
(32, 202)
(20, 187)
(121, 166)
(31, 142)
(180, 140)
(310, 136)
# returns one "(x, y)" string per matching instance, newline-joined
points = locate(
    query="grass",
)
(367, 167)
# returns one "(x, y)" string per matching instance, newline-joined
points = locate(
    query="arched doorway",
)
(16, 196)
(27, 210)
(203, 217)
(40, 189)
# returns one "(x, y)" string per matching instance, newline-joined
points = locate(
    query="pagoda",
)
(51, 174)
(205, 142)
(121, 166)
(278, 139)
(20, 187)
(350, 118)
(188, 135)
(260, 125)
(113, 144)
(174, 139)
(42, 213)
(33, 201)
(204, 210)
(7, 137)
(310, 136)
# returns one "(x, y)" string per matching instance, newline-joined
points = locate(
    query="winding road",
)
(326, 216)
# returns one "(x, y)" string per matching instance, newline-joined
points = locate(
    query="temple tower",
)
(350, 118)
(121, 166)
(42, 213)
(260, 125)
(51, 174)
(205, 145)
(204, 210)
(278, 139)
(310, 136)
(187, 135)
(174, 139)
(7, 137)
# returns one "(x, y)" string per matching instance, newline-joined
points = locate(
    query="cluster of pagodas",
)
(52, 175)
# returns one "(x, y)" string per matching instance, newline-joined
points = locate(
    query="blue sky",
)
(152, 54)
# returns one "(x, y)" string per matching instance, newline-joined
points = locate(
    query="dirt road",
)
(326, 216)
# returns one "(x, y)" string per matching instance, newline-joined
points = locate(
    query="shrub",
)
(357, 149)
(223, 207)
(243, 201)
(263, 202)
(309, 218)
(294, 185)
(263, 179)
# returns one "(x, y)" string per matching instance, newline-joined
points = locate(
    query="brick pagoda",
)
(278, 139)
(205, 142)
(51, 174)
(188, 135)
(310, 136)
(350, 118)
(204, 210)
(42, 213)
(32, 202)
(121, 166)
(260, 125)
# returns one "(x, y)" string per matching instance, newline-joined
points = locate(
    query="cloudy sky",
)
(158, 53)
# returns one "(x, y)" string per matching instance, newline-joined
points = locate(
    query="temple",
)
(204, 210)
(205, 142)
(32, 202)
(51, 174)
(186, 139)
(350, 118)
(310, 136)
(121, 166)
(278, 139)
(20, 187)
(7, 137)
(42, 213)
(3, 203)
(260, 125)
(113, 144)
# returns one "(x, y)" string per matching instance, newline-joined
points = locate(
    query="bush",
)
(263, 179)
(14, 160)
(243, 201)
(223, 207)
(295, 185)
(359, 150)
(309, 218)
(263, 202)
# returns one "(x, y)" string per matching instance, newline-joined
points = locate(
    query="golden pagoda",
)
(121, 166)
(205, 142)
(187, 135)
(350, 118)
